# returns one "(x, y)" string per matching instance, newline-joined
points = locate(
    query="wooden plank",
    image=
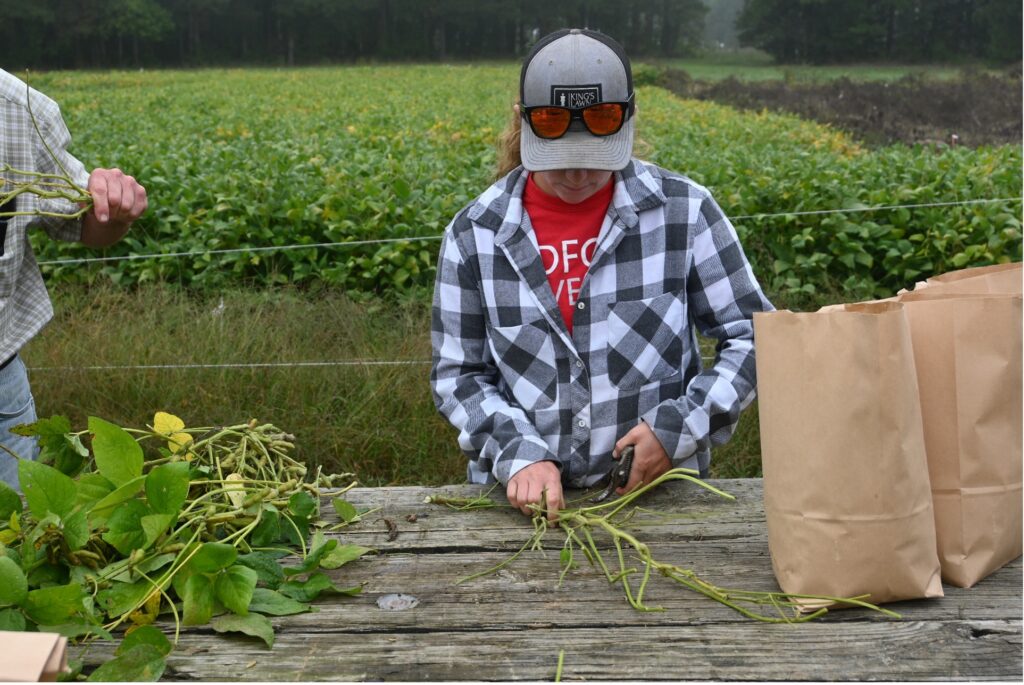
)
(911, 650)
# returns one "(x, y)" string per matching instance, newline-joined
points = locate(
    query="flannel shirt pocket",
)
(525, 357)
(645, 340)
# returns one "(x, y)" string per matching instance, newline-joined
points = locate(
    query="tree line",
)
(70, 34)
(129, 33)
(835, 31)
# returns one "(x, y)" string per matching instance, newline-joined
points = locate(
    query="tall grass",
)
(376, 421)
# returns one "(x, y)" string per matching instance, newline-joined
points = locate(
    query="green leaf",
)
(46, 489)
(213, 556)
(102, 510)
(234, 588)
(12, 620)
(92, 487)
(125, 531)
(13, 583)
(10, 502)
(156, 562)
(268, 530)
(146, 635)
(56, 443)
(167, 487)
(198, 600)
(266, 566)
(255, 625)
(301, 504)
(154, 525)
(118, 456)
(141, 663)
(266, 601)
(54, 605)
(120, 598)
(76, 530)
(346, 512)
(311, 588)
(312, 560)
(45, 574)
(55, 425)
(401, 188)
(342, 554)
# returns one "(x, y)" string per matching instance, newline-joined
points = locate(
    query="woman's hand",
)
(650, 459)
(539, 484)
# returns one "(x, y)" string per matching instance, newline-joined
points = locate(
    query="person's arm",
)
(495, 434)
(723, 296)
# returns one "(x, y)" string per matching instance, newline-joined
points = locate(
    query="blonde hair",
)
(508, 144)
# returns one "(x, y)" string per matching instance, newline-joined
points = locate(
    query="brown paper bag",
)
(846, 491)
(968, 352)
(32, 657)
(982, 280)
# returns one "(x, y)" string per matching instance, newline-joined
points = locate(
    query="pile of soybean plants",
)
(132, 533)
(248, 159)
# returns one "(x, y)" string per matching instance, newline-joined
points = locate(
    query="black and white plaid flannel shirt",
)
(520, 389)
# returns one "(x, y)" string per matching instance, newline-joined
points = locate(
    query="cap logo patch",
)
(575, 97)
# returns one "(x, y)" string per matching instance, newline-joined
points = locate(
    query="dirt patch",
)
(975, 109)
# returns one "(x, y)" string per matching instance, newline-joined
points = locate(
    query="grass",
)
(377, 421)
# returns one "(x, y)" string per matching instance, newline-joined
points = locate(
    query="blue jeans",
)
(16, 406)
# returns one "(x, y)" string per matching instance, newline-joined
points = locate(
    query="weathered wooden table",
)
(511, 625)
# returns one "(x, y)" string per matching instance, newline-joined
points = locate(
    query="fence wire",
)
(382, 241)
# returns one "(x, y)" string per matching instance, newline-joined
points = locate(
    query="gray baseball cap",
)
(574, 68)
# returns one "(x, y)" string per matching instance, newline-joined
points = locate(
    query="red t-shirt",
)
(567, 236)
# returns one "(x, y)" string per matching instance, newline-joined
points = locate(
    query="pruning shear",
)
(618, 476)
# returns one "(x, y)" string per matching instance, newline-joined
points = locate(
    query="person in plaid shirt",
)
(569, 295)
(118, 200)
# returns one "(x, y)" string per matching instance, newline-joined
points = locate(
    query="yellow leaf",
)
(171, 426)
(147, 613)
(165, 424)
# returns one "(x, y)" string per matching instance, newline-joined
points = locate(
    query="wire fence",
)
(355, 243)
(383, 241)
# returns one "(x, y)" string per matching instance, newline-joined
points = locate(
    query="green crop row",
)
(248, 159)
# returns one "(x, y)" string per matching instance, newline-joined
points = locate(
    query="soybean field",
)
(252, 159)
(284, 268)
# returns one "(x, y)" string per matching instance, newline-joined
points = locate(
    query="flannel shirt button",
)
(579, 364)
(582, 423)
(581, 305)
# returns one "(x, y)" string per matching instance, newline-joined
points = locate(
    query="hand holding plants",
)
(117, 201)
(538, 485)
